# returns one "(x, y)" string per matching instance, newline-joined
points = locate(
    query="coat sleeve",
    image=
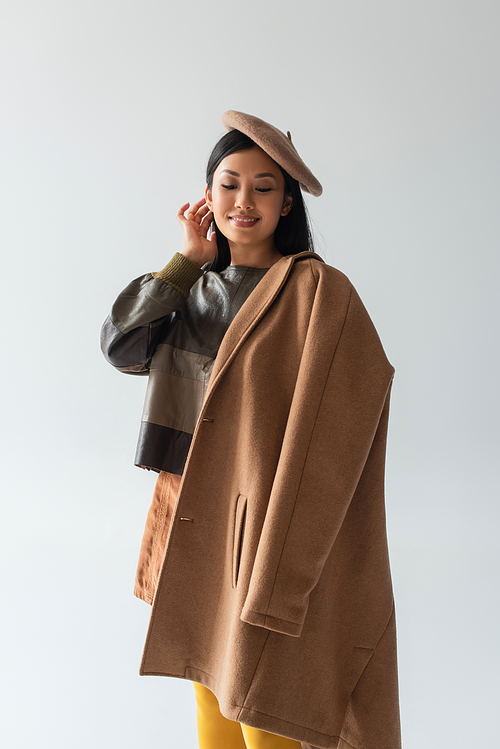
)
(130, 333)
(342, 387)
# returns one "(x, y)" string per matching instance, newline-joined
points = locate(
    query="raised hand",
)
(195, 225)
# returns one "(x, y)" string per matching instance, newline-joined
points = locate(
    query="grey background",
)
(109, 110)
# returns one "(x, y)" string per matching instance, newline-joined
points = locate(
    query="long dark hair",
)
(293, 233)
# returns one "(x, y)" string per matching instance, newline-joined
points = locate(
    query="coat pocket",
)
(239, 529)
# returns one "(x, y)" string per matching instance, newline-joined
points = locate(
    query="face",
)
(248, 197)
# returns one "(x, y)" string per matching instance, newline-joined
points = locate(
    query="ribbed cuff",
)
(180, 272)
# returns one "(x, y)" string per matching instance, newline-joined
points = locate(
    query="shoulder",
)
(337, 300)
(334, 293)
(312, 264)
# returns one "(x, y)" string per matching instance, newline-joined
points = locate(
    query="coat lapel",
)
(249, 315)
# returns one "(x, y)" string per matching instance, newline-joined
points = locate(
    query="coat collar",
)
(250, 313)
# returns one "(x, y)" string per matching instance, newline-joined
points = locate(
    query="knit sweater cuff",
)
(180, 272)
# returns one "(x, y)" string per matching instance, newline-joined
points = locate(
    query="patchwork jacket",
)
(169, 325)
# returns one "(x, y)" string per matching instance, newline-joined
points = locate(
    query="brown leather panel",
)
(162, 449)
(154, 540)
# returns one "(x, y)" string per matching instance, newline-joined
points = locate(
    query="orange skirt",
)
(154, 540)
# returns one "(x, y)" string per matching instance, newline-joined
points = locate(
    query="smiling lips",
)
(243, 222)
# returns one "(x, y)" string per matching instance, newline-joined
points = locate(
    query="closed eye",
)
(259, 189)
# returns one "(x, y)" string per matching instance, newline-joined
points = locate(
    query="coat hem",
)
(139, 593)
(256, 718)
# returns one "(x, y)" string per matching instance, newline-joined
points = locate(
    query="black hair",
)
(293, 233)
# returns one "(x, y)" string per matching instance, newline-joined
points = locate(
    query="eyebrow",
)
(237, 174)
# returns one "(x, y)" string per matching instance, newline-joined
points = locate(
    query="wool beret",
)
(276, 144)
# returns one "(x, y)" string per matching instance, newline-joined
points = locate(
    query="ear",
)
(287, 205)
(208, 197)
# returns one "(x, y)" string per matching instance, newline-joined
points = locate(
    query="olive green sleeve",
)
(180, 272)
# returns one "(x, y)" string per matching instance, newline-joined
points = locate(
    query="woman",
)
(264, 554)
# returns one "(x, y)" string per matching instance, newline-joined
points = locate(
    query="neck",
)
(254, 256)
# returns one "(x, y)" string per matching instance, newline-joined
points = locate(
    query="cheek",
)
(216, 209)
(277, 213)
(220, 205)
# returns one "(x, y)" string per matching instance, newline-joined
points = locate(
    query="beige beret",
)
(276, 144)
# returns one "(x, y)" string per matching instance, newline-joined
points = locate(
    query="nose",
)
(243, 199)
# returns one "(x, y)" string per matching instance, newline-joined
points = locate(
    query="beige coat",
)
(275, 588)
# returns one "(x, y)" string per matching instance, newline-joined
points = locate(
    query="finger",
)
(197, 205)
(203, 209)
(181, 210)
(207, 222)
(201, 214)
(193, 214)
(207, 217)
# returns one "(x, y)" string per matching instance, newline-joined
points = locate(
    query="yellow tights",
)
(217, 732)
